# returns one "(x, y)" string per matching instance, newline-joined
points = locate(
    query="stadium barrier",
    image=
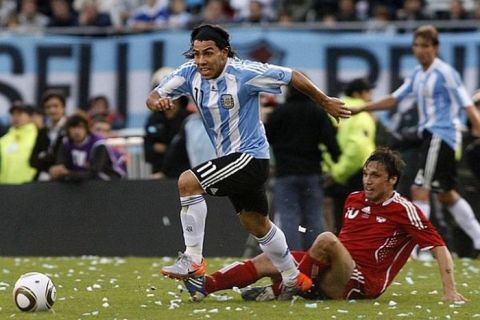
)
(122, 218)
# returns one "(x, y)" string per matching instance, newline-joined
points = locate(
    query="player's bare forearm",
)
(445, 266)
(382, 104)
(333, 106)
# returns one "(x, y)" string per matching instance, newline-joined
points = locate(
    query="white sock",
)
(463, 214)
(274, 245)
(193, 216)
(424, 206)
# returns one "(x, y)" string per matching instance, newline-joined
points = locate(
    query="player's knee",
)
(188, 184)
(324, 243)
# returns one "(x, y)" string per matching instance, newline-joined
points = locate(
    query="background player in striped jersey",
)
(379, 231)
(440, 97)
(226, 92)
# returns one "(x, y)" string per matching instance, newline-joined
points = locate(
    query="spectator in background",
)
(62, 14)
(346, 11)
(90, 15)
(38, 118)
(100, 105)
(256, 13)
(214, 12)
(7, 12)
(101, 126)
(29, 19)
(356, 138)
(456, 11)
(296, 9)
(152, 14)
(178, 16)
(121, 10)
(84, 155)
(410, 13)
(50, 136)
(294, 131)
(17, 145)
(380, 21)
(239, 10)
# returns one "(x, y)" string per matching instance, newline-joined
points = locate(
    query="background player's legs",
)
(463, 214)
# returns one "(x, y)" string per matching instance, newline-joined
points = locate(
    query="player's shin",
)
(274, 244)
(193, 216)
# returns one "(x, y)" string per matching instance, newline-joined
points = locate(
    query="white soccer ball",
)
(34, 291)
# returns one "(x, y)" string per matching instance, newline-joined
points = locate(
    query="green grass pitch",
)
(132, 288)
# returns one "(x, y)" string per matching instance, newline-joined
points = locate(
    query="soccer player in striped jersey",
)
(226, 91)
(379, 231)
(440, 97)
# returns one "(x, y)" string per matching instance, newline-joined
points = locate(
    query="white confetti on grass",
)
(311, 305)
(392, 303)
(409, 280)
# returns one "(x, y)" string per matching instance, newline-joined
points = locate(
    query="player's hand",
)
(156, 103)
(336, 108)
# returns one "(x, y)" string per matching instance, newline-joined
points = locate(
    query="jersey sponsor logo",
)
(227, 101)
(351, 213)
(213, 191)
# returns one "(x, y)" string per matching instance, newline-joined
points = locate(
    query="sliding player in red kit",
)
(380, 230)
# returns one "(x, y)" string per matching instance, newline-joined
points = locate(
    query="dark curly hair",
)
(212, 32)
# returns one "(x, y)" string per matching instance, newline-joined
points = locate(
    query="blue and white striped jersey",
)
(440, 96)
(229, 105)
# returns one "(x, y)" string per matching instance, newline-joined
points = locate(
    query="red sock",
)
(312, 267)
(238, 274)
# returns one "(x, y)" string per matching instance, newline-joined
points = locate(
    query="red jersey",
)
(380, 237)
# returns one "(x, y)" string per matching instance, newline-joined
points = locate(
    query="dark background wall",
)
(123, 218)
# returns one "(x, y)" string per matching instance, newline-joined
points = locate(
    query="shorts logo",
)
(227, 101)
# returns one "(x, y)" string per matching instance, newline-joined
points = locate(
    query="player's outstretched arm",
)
(445, 266)
(382, 104)
(333, 106)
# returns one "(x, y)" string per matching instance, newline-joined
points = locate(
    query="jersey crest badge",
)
(227, 102)
(381, 219)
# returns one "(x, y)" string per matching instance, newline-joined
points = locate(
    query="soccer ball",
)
(34, 291)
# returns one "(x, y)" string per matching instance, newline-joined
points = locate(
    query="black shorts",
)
(239, 176)
(437, 167)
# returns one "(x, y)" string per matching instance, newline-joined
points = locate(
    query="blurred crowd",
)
(141, 15)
